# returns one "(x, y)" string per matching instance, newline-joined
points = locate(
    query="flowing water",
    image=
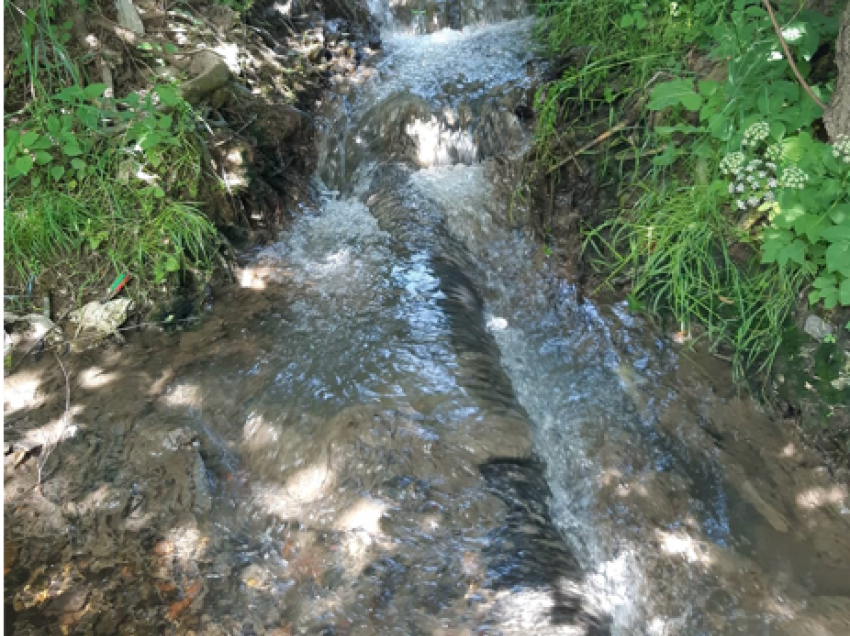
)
(424, 431)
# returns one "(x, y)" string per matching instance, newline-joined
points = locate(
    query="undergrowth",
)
(733, 201)
(98, 186)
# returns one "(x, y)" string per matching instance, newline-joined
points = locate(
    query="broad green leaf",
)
(13, 135)
(42, 158)
(93, 91)
(29, 139)
(165, 122)
(838, 257)
(707, 88)
(169, 47)
(830, 298)
(23, 164)
(69, 94)
(42, 143)
(841, 214)
(72, 149)
(56, 172)
(777, 130)
(626, 21)
(836, 233)
(844, 292)
(78, 164)
(795, 148)
(822, 282)
(172, 264)
(666, 158)
(168, 95)
(796, 251)
(789, 214)
(809, 225)
(150, 140)
(774, 241)
(674, 93)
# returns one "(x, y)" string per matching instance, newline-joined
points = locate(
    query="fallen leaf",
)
(165, 587)
(178, 607)
(163, 548)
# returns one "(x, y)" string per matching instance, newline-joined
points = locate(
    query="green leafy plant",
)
(95, 180)
(745, 207)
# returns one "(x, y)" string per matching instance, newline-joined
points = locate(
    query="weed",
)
(97, 180)
(745, 208)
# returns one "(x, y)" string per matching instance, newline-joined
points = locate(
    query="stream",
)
(402, 421)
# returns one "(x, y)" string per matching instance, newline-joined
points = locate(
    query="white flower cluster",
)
(773, 153)
(754, 183)
(841, 149)
(756, 134)
(793, 177)
(731, 163)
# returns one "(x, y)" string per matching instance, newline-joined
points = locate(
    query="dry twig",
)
(789, 57)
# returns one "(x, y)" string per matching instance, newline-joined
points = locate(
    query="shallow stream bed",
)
(400, 421)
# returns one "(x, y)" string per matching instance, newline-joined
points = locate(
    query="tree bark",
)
(837, 115)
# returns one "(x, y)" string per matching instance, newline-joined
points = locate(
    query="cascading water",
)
(403, 422)
(431, 357)
(661, 527)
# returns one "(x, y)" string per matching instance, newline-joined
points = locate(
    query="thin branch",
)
(789, 57)
(589, 145)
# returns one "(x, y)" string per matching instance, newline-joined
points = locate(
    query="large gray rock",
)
(818, 328)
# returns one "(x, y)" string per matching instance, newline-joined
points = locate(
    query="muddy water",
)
(401, 422)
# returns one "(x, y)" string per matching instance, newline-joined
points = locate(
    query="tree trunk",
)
(837, 116)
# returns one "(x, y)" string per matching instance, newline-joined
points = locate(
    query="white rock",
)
(818, 328)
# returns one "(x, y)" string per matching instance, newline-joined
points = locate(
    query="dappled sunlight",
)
(820, 497)
(21, 390)
(365, 515)
(187, 543)
(184, 395)
(229, 52)
(57, 430)
(310, 483)
(253, 277)
(683, 545)
(95, 378)
(789, 451)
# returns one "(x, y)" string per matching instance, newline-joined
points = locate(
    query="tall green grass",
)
(673, 246)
